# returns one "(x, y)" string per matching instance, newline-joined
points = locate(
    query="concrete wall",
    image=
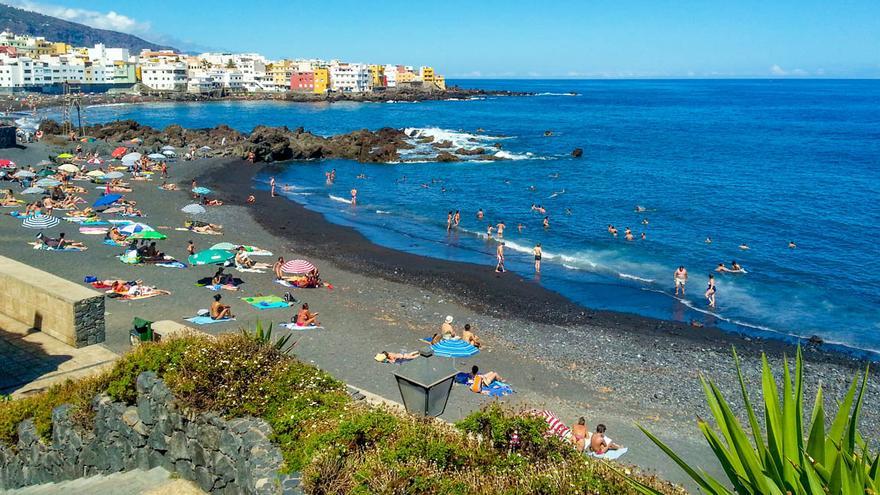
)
(222, 456)
(61, 309)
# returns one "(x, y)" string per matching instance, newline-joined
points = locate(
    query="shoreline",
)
(476, 286)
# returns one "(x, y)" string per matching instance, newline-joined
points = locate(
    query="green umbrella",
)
(148, 234)
(65, 156)
(211, 257)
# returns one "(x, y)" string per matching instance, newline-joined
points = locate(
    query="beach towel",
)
(154, 293)
(93, 230)
(496, 389)
(294, 326)
(221, 287)
(184, 229)
(111, 242)
(266, 302)
(18, 214)
(610, 455)
(206, 320)
(250, 270)
(171, 264)
(285, 283)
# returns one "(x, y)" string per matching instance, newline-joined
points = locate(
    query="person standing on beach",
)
(538, 253)
(499, 254)
(272, 185)
(680, 278)
(710, 291)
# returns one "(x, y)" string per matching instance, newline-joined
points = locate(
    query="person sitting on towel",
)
(305, 318)
(580, 434)
(220, 311)
(221, 278)
(446, 329)
(115, 235)
(599, 443)
(153, 253)
(242, 260)
(468, 336)
(393, 357)
(486, 379)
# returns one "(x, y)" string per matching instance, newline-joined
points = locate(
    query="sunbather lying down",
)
(393, 357)
(131, 288)
(204, 228)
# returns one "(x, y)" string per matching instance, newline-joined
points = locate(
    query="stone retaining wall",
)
(59, 308)
(221, 456)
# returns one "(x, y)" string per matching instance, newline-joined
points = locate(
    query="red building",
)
(9, 50)
(302, 81)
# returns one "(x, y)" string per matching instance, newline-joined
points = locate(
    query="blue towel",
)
(497, 389)
(111, 242)
(171, 264)
(206, 320)
(271, 305)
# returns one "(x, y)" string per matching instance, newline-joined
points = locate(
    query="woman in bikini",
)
(710, 291)
(580, 434)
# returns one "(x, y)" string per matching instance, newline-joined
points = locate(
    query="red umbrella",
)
(297, 266)
(5, 163)
(118, 152)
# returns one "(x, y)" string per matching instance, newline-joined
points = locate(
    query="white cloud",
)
(776, 70)
(111, 20)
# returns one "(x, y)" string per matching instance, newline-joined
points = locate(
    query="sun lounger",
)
(206, 320)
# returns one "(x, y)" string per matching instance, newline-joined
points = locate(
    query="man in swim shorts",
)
(680, 278)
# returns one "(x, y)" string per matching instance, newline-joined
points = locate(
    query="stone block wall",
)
(221, 456)
(59, 308)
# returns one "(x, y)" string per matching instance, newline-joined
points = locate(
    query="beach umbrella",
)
(555, 426)
(113, 175)
(95, 173)
(131, 158)
(69, 167)
(5, 163)
(297, 266)
(169, 153)
(205, 148)
(40, 222)
(44, 163)
(34, 190)
(147, 234)
(107, 200)
(454, 348)
(168, 147)
(211, 257)
(134, 228)
(22, 174)
(228, 246)
(45, 172)
(65, 156)
(193, 209)
(119, 152)
(201, 190)
(48, 182)
(156, 156)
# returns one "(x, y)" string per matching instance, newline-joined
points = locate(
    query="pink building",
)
(302, 81)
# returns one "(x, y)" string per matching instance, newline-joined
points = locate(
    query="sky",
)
(513, 38)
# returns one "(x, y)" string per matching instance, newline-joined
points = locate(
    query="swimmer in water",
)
(721, 268)
(489, 230)
(480, 214)
(500, 229)
(557, 193)
(354, 193)
(640, 209)
(554, 175)
(546, 223)
(532, 188)
(734, 266)
(708, 240)
(791, 245)
(520, 227)
(568, 211)
(744, 247)
(449, 221)
(644, 236)
(612, 230)
(361, 176)
(645, 221)
(627, 234)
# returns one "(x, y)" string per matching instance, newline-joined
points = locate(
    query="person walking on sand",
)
(680, 278)
(710, 291)
(538, 254)
(272, 185)
(499, 254)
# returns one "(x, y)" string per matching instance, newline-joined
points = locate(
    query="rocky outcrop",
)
(221, 456)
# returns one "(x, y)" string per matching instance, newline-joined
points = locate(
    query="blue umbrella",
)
(107, 200)
(454, 348)
(201, 190)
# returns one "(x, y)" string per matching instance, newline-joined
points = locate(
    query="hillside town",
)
(34, 64)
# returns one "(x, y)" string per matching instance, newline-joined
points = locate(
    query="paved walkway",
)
(30, 360)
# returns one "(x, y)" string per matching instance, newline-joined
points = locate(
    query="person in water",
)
(791, 245)
(500, 229)
(354, 194)
(744, 247)
(538, 253)
(546, 223)
(449, 221)
(708, 240)
(734, 266)
(721, 268)
(710, 291)
(480, 214)
(520, 227)
(456, 219)
(628, 235)
(680, 278)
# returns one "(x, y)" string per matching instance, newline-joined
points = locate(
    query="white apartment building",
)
(350, 78)
(101, 53)
(390, 75)
(164, 76)
(17, 72)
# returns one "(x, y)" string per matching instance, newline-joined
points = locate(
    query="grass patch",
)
(338, 445)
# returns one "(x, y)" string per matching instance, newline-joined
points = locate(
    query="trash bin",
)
(141, 331)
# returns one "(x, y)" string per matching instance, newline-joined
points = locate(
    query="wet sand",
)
(613, 368)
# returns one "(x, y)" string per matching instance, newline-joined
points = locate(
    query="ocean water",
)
(760, 162)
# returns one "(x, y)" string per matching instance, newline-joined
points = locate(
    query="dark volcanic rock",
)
(467, 152)
(446, 156)
(443, 144)
(577, 152)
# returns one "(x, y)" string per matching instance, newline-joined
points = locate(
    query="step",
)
(136, 482)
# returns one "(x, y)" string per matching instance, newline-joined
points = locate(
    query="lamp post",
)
(425, 384)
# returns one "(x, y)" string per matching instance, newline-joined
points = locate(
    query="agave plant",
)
(783, 460)
(264, 337)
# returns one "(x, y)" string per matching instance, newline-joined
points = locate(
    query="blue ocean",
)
(755, 162)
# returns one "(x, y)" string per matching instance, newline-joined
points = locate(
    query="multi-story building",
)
(321, 80)
(405, 76)
(22, 72)
(390, 71)
(164, 75)
(377, 73)
(426, 74)
(302, 81)
(350, 78)
(279, 74)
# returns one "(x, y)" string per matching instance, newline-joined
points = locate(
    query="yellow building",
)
(377, 72)
(322, 80)
(440, 82)
(426, 74)
(60, 48)
(405, 77)
(280, 72)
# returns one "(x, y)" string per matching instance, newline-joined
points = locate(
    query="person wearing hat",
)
(446, 329)
(393, 357)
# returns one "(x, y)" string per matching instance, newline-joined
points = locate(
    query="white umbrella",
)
(95, 173)
(69, 167)
(40, 222)
(169, 153)
(167, 147)
(47, 182)
(34, 190)
(21, 174)
(193, 209)
(205, 148)
(113, 175)
(131, 158)
(156, 156)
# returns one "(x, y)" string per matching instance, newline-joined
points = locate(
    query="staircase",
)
(156, 481)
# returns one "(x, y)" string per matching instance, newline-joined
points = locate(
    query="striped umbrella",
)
(454, 348)
(555, 426)
(40, 222)
(297, 266)
(134, 228)
(193, 209)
